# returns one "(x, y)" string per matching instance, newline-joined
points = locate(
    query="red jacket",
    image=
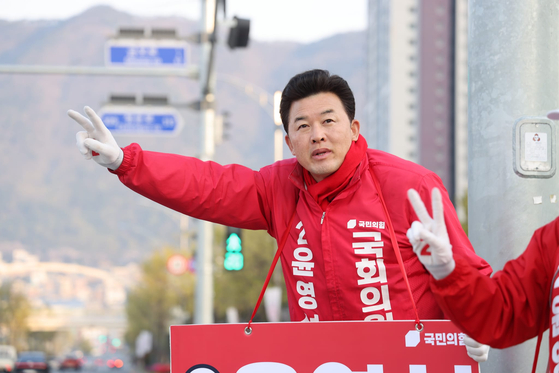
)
(338, 264)
(514, 305)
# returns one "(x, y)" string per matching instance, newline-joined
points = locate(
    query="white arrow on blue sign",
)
(146, 53)
(142, 120)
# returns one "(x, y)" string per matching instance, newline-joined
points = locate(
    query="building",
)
(417, 85)
(75, 302)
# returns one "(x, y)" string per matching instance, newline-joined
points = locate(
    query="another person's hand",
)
(96, 141)
(477, 351)
(429, 236)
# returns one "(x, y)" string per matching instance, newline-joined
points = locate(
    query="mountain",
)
(61, 207)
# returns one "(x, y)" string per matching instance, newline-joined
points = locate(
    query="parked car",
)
(8, 358)
(71, 362)
(32, 360)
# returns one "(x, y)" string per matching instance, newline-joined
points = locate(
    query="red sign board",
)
(323, 347)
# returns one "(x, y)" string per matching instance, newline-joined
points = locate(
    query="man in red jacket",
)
(514, 305)
(332, 205)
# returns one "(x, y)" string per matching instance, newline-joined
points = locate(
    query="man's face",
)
(320, 133)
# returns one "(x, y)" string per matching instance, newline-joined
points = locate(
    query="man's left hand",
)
(477, 351)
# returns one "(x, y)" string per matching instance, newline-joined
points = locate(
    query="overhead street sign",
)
(146, 53)
(142, 120)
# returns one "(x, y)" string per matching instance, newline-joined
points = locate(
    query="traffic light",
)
(234, 260)
(116, 342)
(238, 34)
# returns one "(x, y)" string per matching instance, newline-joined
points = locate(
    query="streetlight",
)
(278, 134)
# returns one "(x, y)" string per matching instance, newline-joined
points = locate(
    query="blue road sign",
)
(146, 53)
(142, 120)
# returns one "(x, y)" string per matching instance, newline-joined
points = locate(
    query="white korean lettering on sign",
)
(330, 367)
(444, 339)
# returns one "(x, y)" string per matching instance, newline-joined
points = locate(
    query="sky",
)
(286, 20)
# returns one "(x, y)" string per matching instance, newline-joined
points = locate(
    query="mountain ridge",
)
(51, 200)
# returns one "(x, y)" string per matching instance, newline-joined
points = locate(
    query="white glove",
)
(429, 237)
(96, 141)
(477, 351)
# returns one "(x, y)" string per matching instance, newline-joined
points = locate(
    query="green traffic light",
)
(234, 260)
(234, 243)
(116, 342)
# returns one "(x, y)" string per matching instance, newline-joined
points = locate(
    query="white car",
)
(7, 358)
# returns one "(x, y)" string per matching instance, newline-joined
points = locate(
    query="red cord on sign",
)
(282, 242)
(418, 325)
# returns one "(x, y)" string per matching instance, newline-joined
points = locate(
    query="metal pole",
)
(183, 242)
(513, 73)
(204, 260)
(188, 72)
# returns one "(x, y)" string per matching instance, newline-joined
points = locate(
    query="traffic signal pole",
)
(189, 72)
(513, 74)
(204, 296)
(205, 72)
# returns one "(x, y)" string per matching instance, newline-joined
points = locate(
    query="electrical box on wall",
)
(534, 146)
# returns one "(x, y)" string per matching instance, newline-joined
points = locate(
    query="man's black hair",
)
(313, 82)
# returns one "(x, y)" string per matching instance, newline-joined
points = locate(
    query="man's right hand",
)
(429, 237)
(96, 141)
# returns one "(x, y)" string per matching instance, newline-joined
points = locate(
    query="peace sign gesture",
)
(429, 237)
(96, 141)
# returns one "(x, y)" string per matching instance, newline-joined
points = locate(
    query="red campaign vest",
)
(553, 364)
(340, 264)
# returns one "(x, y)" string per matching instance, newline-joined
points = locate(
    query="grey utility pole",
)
(204, 296)
(189, 72)
(513, 74)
